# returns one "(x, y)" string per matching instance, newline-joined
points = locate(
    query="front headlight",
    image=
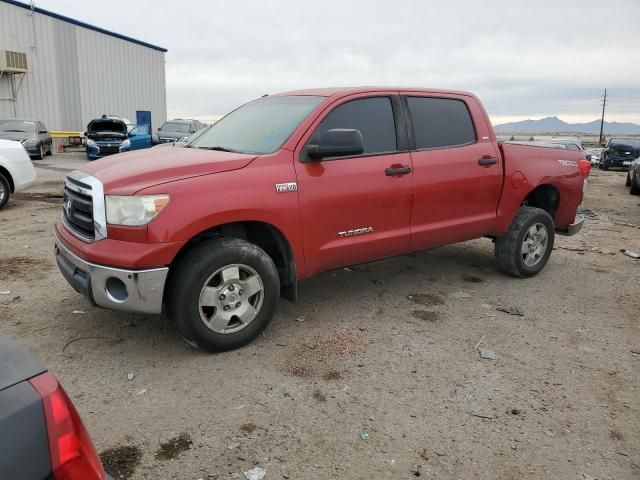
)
(134, 211)
(29, 141)
(90, 143)
(125, 144)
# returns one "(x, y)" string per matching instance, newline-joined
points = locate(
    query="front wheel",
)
(525, 249)
(634, 184)
(40, 154)
(223, 294)
(5, 191)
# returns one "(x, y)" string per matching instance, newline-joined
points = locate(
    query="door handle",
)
(487, 160)
(389, 172)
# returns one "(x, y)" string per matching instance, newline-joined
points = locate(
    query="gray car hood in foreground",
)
(16, 363)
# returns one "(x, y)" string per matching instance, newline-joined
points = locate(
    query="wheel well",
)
(5, 173)
(545, 197)
(264, 235)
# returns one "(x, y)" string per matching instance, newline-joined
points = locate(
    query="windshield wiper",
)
(219, 149)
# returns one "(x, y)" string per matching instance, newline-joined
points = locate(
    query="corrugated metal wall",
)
(76, 74)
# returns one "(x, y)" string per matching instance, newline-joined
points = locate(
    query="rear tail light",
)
(73, 456)
(585, 166)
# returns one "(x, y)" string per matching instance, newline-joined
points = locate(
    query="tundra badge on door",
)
(355, 231)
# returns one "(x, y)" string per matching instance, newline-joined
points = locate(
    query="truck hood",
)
(128, 173)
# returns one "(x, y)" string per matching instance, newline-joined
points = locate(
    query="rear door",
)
(352, 208)
(457, 170)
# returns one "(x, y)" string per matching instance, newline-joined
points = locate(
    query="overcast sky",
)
(523, 62)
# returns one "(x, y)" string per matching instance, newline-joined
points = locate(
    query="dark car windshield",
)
(175, 127)
(630, 143)
(17, 126)
(260, 127)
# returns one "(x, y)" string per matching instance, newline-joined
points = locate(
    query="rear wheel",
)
(223, 294)
(49, 150)
(5, 190)
(525, 249)
(635, 185)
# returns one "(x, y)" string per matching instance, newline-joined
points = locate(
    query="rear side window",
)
(440, 122)
(372, 116)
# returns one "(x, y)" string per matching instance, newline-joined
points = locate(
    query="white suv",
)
(16, 170)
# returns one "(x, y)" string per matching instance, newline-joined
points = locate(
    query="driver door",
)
(353, 208)
(139, 137)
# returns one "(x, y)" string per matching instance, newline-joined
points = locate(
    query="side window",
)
(372, 116)
(440, 122)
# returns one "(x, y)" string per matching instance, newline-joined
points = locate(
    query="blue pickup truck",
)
(108, 135)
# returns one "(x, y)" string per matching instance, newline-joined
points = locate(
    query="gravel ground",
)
(374, 374)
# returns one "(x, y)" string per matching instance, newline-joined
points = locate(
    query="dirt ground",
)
(374, 374)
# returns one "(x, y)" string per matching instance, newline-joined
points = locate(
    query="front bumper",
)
(138, 291)
(574, 228)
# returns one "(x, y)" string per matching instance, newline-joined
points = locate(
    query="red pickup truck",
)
(302, 182)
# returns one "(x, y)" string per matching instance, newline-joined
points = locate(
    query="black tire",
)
(634, 184)
(191, 275)
(49, 152)
(40, 154)
(605, 166)
(5, 190)
(508, 249)
(627, 183)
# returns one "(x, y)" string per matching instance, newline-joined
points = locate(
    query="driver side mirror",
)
(337, 142)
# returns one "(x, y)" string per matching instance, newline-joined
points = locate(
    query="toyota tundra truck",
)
(298, 183)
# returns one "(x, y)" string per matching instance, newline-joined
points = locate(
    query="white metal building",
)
(65, 72)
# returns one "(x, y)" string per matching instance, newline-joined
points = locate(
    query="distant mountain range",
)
(555, 125)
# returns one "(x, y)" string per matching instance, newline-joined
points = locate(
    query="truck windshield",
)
(259, 127)
(630, 143)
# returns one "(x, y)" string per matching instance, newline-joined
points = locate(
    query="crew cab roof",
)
(16, 363)
(344, 91)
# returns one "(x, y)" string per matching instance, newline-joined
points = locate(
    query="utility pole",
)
(604, 104)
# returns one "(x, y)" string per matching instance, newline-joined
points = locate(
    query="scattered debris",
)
(130, 376)
(348, 269)
(487, 353)
(112, 339)
(257, 473)
(479, 415)
(511, 311)
(586, 476)
(233, 446)
(460, 295)
(549, 433)
(631, 254)
(360, 364)
(364, 435)
(423, 455)
(514, 411)
(416, 471)
(78, 312)
(587, 213)
(341, 407)
(478, 344)
(300, 318)
(141, 392)
(173, 447)
(5, 292)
